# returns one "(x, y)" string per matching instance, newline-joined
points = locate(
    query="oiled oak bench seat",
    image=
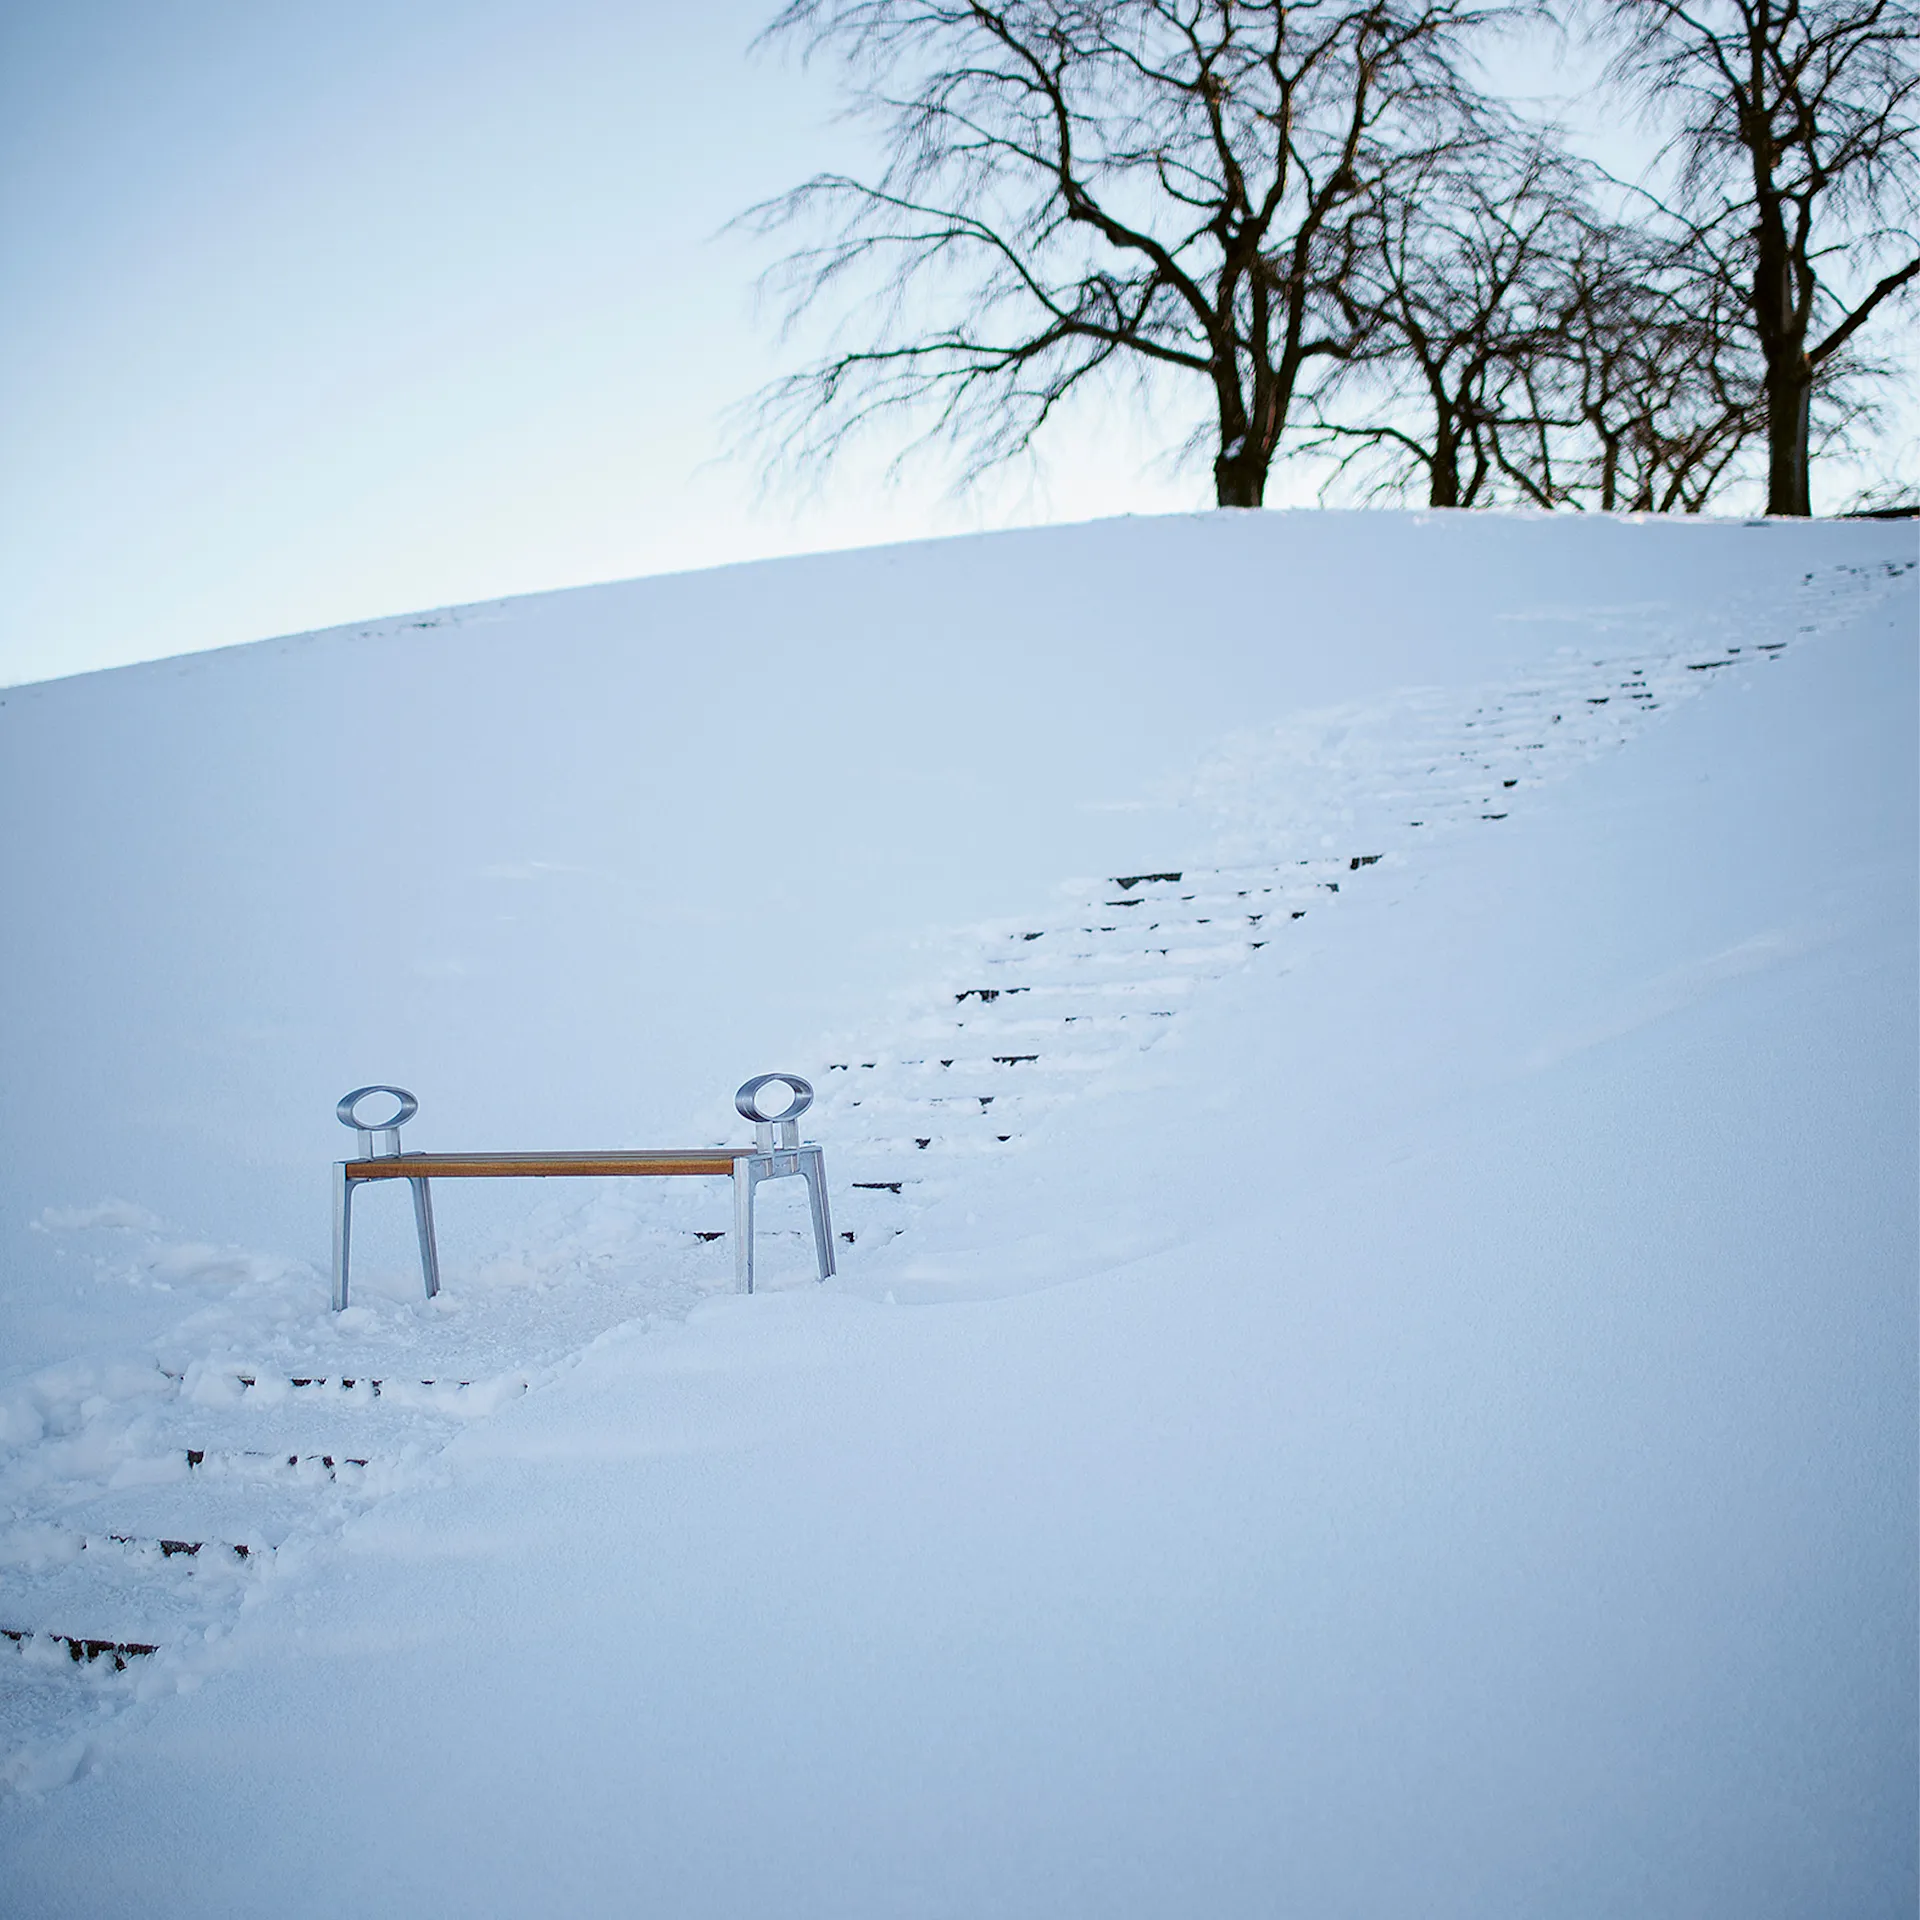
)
(713, 1162)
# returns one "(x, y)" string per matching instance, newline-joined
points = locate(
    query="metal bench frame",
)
(777, 1153)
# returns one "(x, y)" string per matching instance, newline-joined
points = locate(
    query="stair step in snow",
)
(344, 1383)
(1048, 993)
(340, 1383)
(79, 1649)
(55, 1544)
(182, 1549)
(246, 1463)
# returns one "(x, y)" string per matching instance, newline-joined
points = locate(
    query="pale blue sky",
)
(328, 311)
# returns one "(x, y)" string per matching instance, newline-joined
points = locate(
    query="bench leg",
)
(813, 1166)
(423, 1225)
(743, 1186)
(343, 1235)
(342, 1232)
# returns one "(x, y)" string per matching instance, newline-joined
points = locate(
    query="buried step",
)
(80, 1649)
(248, 1463)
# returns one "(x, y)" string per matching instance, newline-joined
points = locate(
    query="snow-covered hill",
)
(1373, 1364)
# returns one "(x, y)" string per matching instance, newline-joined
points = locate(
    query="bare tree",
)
(1457, 306)
(1655, 370)
(1536, 331)
(1170, 187)
(1799, 160)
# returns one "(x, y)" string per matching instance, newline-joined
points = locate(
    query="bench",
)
(777, 1153)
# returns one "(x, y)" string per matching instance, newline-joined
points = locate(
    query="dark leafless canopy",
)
(1654, 369)
(1797, 148)
(1176, 189)
(1457, 302)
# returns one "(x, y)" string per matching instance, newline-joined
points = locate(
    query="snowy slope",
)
(1422, 1414)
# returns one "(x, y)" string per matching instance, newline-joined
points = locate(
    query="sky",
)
(321, 313)
(326, 312)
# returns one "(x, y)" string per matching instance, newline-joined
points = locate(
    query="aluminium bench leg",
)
(813, 1167)
(748, 1171)
(342, 1232)
(423, 1225)
(343, 1235)
(745, 1179)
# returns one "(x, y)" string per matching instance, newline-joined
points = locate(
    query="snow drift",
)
(1373, 1369)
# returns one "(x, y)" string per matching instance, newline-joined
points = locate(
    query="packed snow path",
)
(147, 1505)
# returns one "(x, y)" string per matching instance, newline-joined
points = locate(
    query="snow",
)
(1417, 1414)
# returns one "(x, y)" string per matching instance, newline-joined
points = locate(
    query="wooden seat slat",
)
(712, 1162)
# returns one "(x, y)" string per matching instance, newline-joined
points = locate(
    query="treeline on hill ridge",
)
(1315, 218)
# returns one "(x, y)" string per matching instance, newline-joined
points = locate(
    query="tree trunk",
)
(1250, 425)
(1789, 406)
(1240, 478)
(1443, 470)
(1781, 325)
